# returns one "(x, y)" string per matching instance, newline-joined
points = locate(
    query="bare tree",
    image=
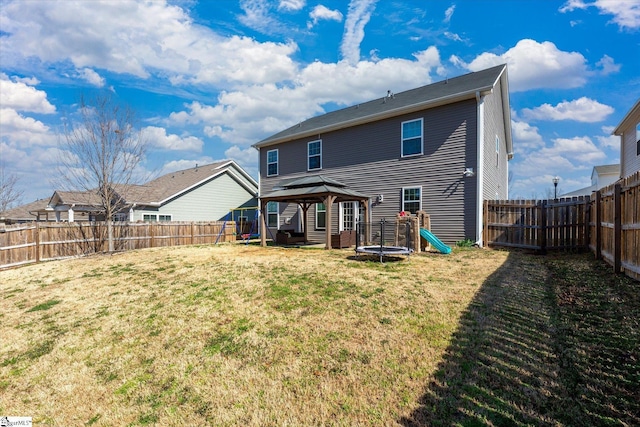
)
(9, 192)
(100, 154)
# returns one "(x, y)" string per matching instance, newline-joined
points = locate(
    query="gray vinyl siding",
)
(630, 161)
(367, 158)
(495, 174)
(210, 201)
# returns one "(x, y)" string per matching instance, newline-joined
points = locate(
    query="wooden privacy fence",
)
(607, 223)
(44, 241)
(537, 224)
(615, 225)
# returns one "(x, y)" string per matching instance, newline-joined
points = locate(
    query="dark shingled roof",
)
(439, 93)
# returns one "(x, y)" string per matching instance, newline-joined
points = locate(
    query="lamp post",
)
(555, 187)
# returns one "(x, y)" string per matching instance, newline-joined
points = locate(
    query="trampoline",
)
(382, 249)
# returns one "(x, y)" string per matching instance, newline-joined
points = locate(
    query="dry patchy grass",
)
(233, 335)
(229, 335)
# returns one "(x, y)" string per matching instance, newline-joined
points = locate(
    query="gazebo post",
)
(328, 205)
(365, 214)
(305, 229)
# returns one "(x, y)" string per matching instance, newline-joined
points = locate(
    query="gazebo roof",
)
(312, 189)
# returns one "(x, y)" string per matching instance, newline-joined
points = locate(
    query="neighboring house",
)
(601, 176)
(202, 193)
(34, 211)
(441, 148)
(629, 132)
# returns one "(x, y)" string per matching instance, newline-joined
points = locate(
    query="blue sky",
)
(209, 78)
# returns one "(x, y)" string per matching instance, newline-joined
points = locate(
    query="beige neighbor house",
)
(201, 193)
(629, 132)
(601, 176)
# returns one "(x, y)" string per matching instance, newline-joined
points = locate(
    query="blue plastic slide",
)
(434, 241)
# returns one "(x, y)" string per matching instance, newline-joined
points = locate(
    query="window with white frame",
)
(412, 138)
(412, 199)
(321, 216)
(314, 149)
(272, 214)
(165, 218)
(156, 218)
(272, 162)
(497, 150)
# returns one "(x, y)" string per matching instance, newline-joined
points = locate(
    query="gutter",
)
(480, 166)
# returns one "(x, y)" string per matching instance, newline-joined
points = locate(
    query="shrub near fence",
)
(43, 241)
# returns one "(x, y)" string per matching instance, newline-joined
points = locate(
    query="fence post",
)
(587, 222)
(542, 237)
(598, 225)
(485, 228)
(37, 242)
(617, 229)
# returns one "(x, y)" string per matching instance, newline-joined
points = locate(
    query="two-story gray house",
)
(442, 148)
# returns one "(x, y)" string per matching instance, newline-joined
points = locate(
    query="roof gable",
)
(440, 93)
(172, 185)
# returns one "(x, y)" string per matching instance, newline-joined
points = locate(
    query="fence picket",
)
(40, 241)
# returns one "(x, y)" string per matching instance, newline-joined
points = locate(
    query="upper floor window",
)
(412, 199)
(315, 155)
(412, 137)
(321, 216)
(272, 162)
(272, 214)
(497, 150)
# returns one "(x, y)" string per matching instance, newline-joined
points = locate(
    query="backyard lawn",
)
(233, 335)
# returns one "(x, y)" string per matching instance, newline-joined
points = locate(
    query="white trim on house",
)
(480, 166)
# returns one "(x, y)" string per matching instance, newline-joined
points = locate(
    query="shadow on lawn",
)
(514, 360)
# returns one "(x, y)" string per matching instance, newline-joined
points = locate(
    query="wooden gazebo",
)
(307, 191)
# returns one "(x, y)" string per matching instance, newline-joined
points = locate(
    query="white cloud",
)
(169, 46)
(22, 97)
(572, 5)
(321, 12)
(534, 65)
(23, 131)
(247, 158)
(449, 13)
(525, 137)
(608, 65)
(582, 110)
(238, 116)
(626, 13)
(291, 5)
(92, 77)
(158, 138)
(581, 149)
(357, 18)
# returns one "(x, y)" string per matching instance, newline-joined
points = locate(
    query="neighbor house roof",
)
(23, 213)
(606, 170)
(171, 185)
(162, 189)
(456, 89)
(634, 113)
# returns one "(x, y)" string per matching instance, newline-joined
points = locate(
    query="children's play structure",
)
(245, 228)
(408, 234)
